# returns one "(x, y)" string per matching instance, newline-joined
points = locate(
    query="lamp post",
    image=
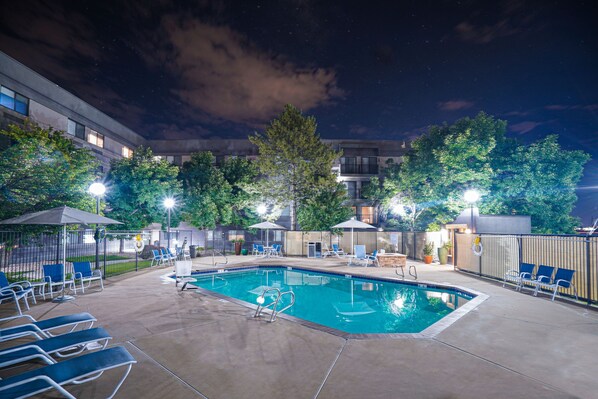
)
(169, 204)
(471, 196)
(97, 190)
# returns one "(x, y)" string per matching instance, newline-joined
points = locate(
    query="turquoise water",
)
(353, 305)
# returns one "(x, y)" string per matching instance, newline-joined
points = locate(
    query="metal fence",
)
(22, 254)
(507, 252)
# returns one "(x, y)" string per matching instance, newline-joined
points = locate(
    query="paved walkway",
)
(194, 346)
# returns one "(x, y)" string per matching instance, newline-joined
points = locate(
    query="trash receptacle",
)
(192, 251)
(244, 251)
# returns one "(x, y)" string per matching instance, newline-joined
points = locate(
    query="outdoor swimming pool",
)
(350, 304)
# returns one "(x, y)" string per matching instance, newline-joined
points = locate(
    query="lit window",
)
(95, 138)
(368, 214)
(76, 129)
(14, 101)
(127, 152)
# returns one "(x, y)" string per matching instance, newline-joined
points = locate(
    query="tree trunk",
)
(293, 214)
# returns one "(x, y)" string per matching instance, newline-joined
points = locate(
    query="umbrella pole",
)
(62, 297)
(352, 250)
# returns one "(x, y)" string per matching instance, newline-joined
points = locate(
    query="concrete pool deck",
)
(190, 345)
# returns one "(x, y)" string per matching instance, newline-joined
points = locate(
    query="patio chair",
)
(326, 251)
(15, 291)
(543, 274)
(84, 273)
(277, 249)
(373, 258)
(258, 250)
(65, 345)
(337, 251)
(157, 257)
(43, 328)
(77, 370)
(166, 256)
(173, 256)
(563, 279)
(360, 256)
(526, 270)
(54, 275)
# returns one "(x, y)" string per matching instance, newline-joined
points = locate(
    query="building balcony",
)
(348, 169)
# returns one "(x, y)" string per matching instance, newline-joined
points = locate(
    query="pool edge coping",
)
(428, 333)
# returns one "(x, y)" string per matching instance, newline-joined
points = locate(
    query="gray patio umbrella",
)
(62, 216)
(353, 224)
(267, 226)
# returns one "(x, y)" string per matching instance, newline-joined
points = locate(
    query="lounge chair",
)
(84, 273)
(360, 256)
(77, 370)
(54, 275)
(526, 270)
(258, 250)
(15, 291)
(43, 328)
(337, 251)
(65, 345)
(277, 249)
(543, 275)
(166, 256)
(158, 258)
(373, 258)
(563, 279)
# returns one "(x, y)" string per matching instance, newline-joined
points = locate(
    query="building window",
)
(95, 138)
(351, 189)
(14, 101)
(348, 165)
(368, 214)
(75, 129)
(127, 152)
(369, 165)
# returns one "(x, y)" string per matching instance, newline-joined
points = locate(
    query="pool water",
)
(350, 304)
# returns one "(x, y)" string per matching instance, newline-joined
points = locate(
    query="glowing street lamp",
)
(471, 196)
(169, 203)
(262, 209)
(97, 189)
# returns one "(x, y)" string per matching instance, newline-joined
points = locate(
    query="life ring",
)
(477, 246)
(138, 244)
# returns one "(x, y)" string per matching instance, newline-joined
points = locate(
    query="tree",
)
(324, 210)
(242, 174)
(538, 180)
(293, 160)
(42, 169)
(137, 188)
(207, 193)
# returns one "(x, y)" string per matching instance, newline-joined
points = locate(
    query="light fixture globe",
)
(262, 209)
(97, 189)
(169, 203)
(471, 196)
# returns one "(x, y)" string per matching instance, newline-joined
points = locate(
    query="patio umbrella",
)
(267, 226)
(62, 216)
(353, 224)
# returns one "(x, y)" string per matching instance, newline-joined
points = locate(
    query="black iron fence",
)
(502, 252)
(22, 255)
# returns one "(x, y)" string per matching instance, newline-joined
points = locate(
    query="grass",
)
(92, 258)
(125, 267)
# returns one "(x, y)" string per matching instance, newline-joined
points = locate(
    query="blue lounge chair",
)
(54, 276)
(43, 328)
(166, 257)
(15, 291)
(563, 279)
(84, 273)
(373, 258)
(65, 345)
(277, 249)
(258, 250)
(77, 370)
(543, 274)
(526, 270)
(337, 251)
(360, 256)
(157, 257)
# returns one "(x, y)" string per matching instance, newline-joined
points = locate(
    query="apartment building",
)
(26, 94)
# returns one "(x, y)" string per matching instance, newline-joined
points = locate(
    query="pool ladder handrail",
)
(274, 303)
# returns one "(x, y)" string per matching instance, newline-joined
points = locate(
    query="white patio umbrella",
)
(353, 224)
(62, 215)
(267, 226)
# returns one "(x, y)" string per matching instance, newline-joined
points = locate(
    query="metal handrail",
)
(276, 312)
(261, 307)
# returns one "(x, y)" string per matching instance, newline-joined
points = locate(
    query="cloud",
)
(562, 107)
(524, 127)
(225, 77)
(484, 34)
(455, 105)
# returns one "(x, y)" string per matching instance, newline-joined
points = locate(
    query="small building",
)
(471, 219)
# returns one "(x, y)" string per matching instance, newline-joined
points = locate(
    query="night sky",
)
(365, 69)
